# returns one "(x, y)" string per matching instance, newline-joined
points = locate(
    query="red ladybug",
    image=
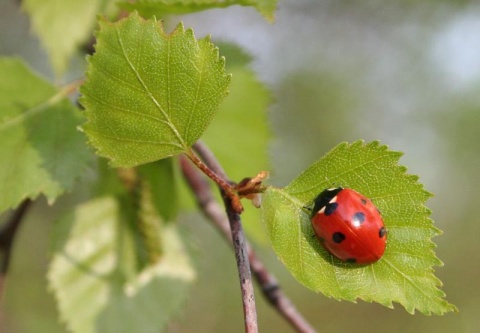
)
(349, 226)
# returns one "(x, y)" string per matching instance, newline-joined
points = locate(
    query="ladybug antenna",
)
(331, 184)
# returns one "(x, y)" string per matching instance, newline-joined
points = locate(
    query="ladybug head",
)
(324, 198)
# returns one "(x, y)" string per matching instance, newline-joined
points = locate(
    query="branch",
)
(210, 207)
(7, 235)
(243, 264)
(239, 244)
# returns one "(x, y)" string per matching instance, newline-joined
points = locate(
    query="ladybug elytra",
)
(349, 226)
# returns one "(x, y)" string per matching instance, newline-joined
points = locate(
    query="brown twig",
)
(210, 207)
(7, 235)
(239, 245)
(243, 264)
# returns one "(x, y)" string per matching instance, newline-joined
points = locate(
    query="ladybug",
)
(349, 226)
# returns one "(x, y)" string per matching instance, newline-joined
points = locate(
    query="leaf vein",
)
(407, 279)
(121, 109)
(119, 79)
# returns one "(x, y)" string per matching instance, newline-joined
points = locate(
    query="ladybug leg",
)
(308, 209)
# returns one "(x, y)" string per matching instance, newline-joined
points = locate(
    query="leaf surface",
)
(148, 94)
(405, 272)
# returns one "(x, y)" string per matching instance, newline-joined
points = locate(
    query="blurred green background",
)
(404, 72)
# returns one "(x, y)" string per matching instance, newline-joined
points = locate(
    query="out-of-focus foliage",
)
(95, 275)
(161, 8)
(62, 25)
(42, 151)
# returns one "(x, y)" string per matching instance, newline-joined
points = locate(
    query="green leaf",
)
(405, 272)
(42, 151)
(95, 279)
(160, 8)
(148, 94)
(62, 26)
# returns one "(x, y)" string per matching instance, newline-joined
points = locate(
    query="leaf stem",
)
(218, 176)
(269, 286)
(71, 87)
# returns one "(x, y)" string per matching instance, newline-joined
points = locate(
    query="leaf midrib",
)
(32, 111)
(149, 93)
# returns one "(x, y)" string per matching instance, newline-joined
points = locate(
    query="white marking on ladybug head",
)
(334, 199)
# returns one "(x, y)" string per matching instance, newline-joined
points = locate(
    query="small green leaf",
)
(160, 8)
(95, 278)
(149, 95)
(405, 272)
(62, 25)
(42, 151)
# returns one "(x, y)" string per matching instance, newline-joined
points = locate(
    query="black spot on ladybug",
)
(364, 201)
(338, 237)
(330, 208)
(358, 218)
(351, 260)
(382, 232)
